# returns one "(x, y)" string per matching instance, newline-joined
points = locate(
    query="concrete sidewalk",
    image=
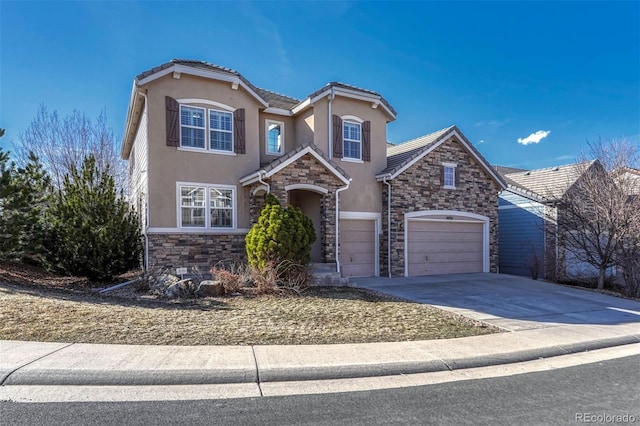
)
(33, 363)
(541, 320)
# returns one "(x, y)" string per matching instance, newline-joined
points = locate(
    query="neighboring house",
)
(205, 146)
(629, 178)
(528, 213)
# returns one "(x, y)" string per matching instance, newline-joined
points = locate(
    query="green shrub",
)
(91, 231)
(24, 195)
(280, 235)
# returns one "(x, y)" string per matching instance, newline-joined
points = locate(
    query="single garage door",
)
(443, 247)
(358, 247)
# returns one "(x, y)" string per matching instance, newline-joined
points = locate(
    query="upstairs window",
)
(274, 137)
(192, 127)
(352, 137)
(221, 130)
(449, 175)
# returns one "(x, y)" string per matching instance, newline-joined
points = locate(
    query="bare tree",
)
(61, 144)
(597, 215)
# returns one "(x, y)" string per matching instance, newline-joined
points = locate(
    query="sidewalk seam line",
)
(32, 361)
(255, 361)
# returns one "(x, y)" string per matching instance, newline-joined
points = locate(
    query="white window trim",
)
(352, 160)
(352, 118)
(209, 130)
(207, 151)
(195, 101)
(204, 110)
(207, 207)
(266, 137)
(207, 127)
(451, 166)
(344, 151)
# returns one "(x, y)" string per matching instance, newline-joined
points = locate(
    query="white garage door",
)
(358, 247)
(444, 247)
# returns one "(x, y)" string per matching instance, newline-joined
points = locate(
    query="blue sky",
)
(559, 73)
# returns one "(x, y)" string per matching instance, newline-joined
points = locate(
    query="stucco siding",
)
(169, 165)
(289, 133)
(364, 193)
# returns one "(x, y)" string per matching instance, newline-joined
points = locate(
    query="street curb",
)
(96, 377)
(115, 377)
(539, 353)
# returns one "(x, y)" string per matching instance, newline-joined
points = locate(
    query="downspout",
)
(384, 180)
(263, 182)
(330, 124)
(146, 197)
(338, 191)
(557, 260)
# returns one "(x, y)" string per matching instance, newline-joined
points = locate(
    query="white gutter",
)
(384, 180)
(338, 191)
(330, 121)
(263, 182)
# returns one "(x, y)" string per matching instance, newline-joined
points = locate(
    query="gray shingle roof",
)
(273, 99)
(276, 100)
(356, 88)
(189, 63)
(403, 153)
(549, 184)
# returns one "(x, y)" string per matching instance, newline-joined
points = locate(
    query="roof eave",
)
(136, 103)
(376, 100)
(235, 80)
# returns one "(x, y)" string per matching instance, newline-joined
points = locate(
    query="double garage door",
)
(434, 247)
(444, 247)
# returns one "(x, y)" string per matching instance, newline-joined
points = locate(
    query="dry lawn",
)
(321, 316)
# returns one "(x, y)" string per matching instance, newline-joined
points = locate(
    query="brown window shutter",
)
(173, 124)
(456, 176)
(366, 141)
(337, 137)
(441, 175)
(238, 131)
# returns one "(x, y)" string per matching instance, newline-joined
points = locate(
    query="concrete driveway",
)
(507, 301)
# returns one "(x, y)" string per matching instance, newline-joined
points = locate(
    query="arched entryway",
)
(308, 198)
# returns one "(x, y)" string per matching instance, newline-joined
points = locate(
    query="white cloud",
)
(534, 137)
(480, 141)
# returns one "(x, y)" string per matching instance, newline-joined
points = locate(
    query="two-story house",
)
(205, 146)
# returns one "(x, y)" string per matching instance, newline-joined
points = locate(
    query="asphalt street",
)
(605, 392)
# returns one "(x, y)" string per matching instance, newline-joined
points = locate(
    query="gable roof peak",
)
(402, 156)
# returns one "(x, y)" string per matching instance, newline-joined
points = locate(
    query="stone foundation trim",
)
(171, 250)
(199, 231)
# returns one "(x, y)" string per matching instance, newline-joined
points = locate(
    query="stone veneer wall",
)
(307, 170)
(418, 188)
(202, 250)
